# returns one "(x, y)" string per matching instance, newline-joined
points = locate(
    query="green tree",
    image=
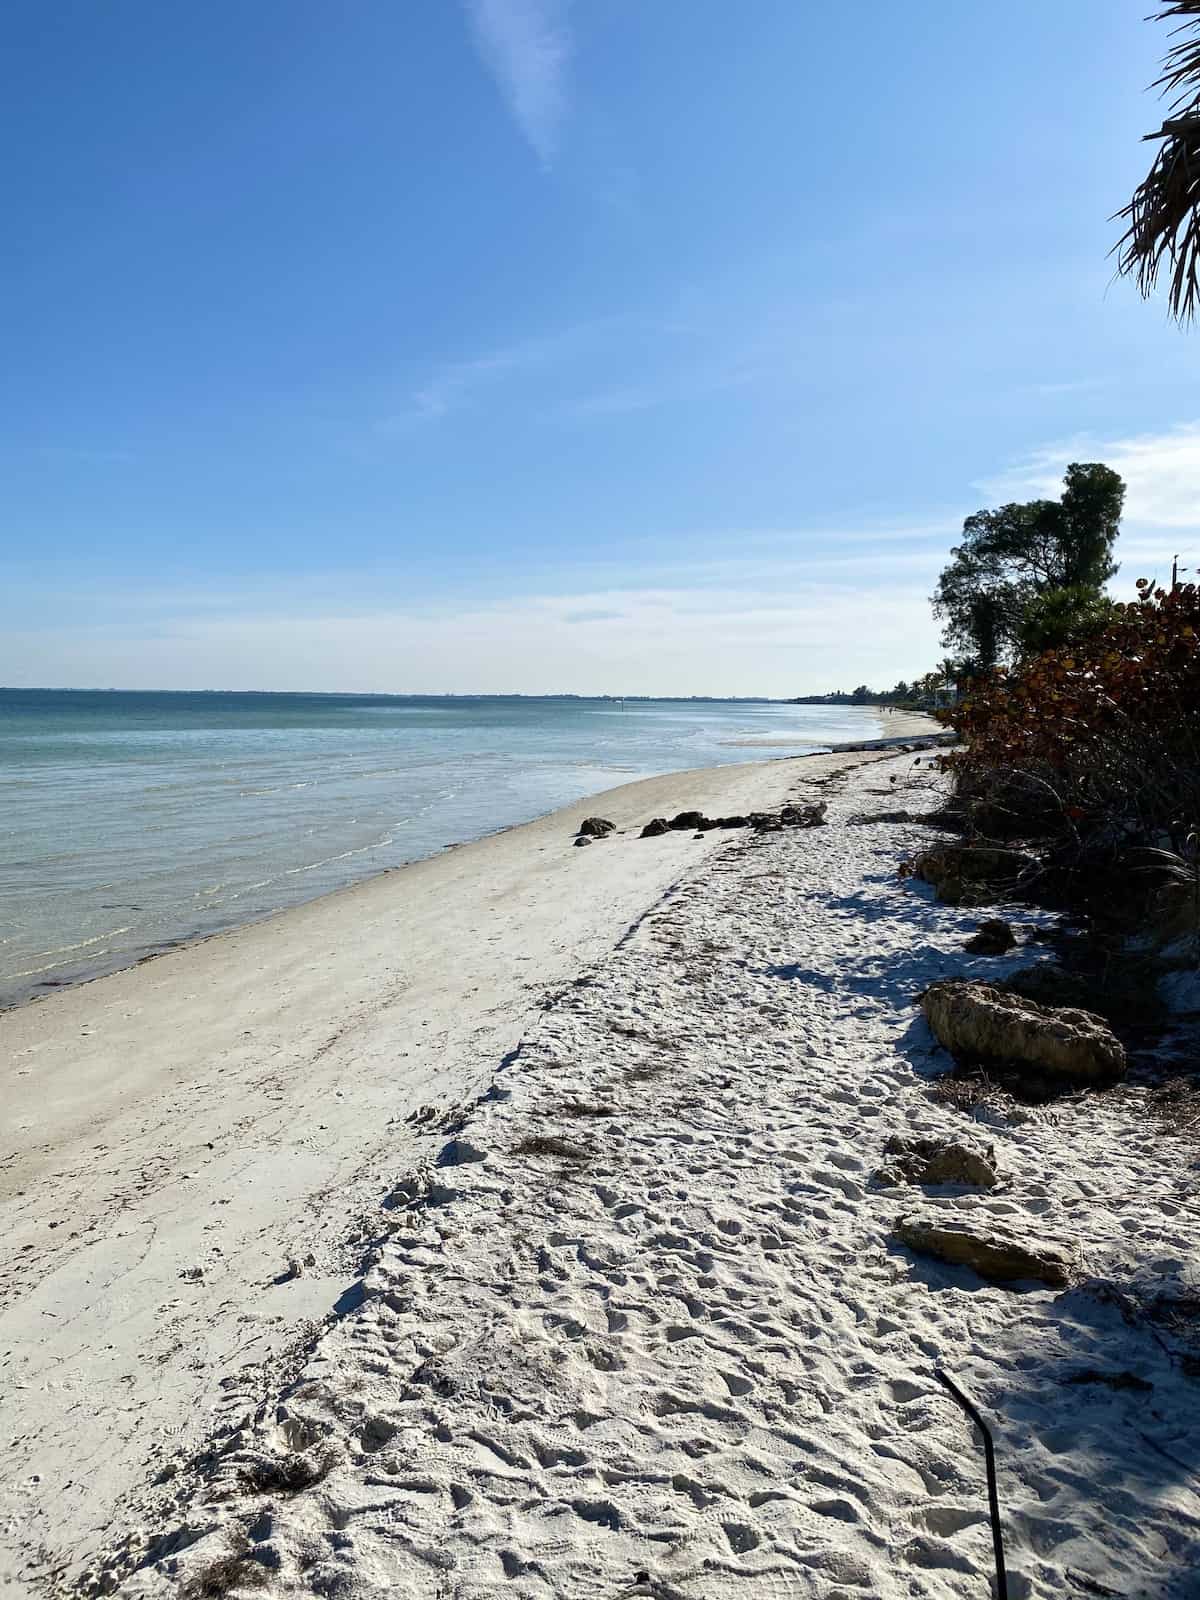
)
(1016, 553)
(1062, 617)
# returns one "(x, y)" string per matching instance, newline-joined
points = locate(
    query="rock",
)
(994, 937)
(687, 820)
(810, 816)
(980, 1022)
(764, 822)
(596, 828)
(584, 838)
(990, 1250)
(937, 1161)
(733, 822)
(972, 874)
(654, 827)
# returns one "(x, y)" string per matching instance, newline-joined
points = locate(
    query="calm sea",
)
(129, 822)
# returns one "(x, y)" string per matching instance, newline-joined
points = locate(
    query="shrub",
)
(1097, 741)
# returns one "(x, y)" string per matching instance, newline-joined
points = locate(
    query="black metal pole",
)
(989, 1456)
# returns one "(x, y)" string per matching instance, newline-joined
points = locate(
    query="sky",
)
(558, 345)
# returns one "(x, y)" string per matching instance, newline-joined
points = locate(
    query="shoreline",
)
(189, 1144)
(923, 728)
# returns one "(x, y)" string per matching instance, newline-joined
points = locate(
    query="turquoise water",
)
(129, 821)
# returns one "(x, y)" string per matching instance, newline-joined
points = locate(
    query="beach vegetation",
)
(235, 1568)
(1094, 745)
(553, 1145)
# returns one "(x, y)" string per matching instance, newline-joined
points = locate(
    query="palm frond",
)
(1163, 217)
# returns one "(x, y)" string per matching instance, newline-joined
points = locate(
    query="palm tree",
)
(1163, 218)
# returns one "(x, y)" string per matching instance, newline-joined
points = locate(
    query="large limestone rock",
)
(994, 1252)
(979, 1022)
(972, 875)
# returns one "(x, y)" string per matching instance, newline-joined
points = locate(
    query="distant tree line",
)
(928, 689)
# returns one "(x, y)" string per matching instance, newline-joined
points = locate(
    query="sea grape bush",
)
(1101, 738)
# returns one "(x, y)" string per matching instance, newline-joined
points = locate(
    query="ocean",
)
(130, 822)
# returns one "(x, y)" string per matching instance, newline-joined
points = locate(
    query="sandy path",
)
(176, 1135)
(636, 1326)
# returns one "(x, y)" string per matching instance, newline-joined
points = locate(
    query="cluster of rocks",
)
(977, 1240)
(791, 816)
(1030, 1025)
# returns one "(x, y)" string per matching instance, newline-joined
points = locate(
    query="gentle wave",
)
(68, 950)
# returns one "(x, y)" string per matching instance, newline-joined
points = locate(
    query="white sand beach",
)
(505, 1225)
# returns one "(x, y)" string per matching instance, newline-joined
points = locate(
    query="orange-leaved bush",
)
(1100, 738)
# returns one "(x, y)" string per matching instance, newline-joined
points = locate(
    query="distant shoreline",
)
(450, 694)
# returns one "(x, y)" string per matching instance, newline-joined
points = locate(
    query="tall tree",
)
(1012, 555)
(1163, 218)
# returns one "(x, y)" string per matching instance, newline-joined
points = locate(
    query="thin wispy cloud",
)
(525, 45)
(456, 385)
(453, 386)
(628, 399)
(1069, 386)
(448, 388)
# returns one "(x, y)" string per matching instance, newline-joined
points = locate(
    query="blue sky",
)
(534, 345)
